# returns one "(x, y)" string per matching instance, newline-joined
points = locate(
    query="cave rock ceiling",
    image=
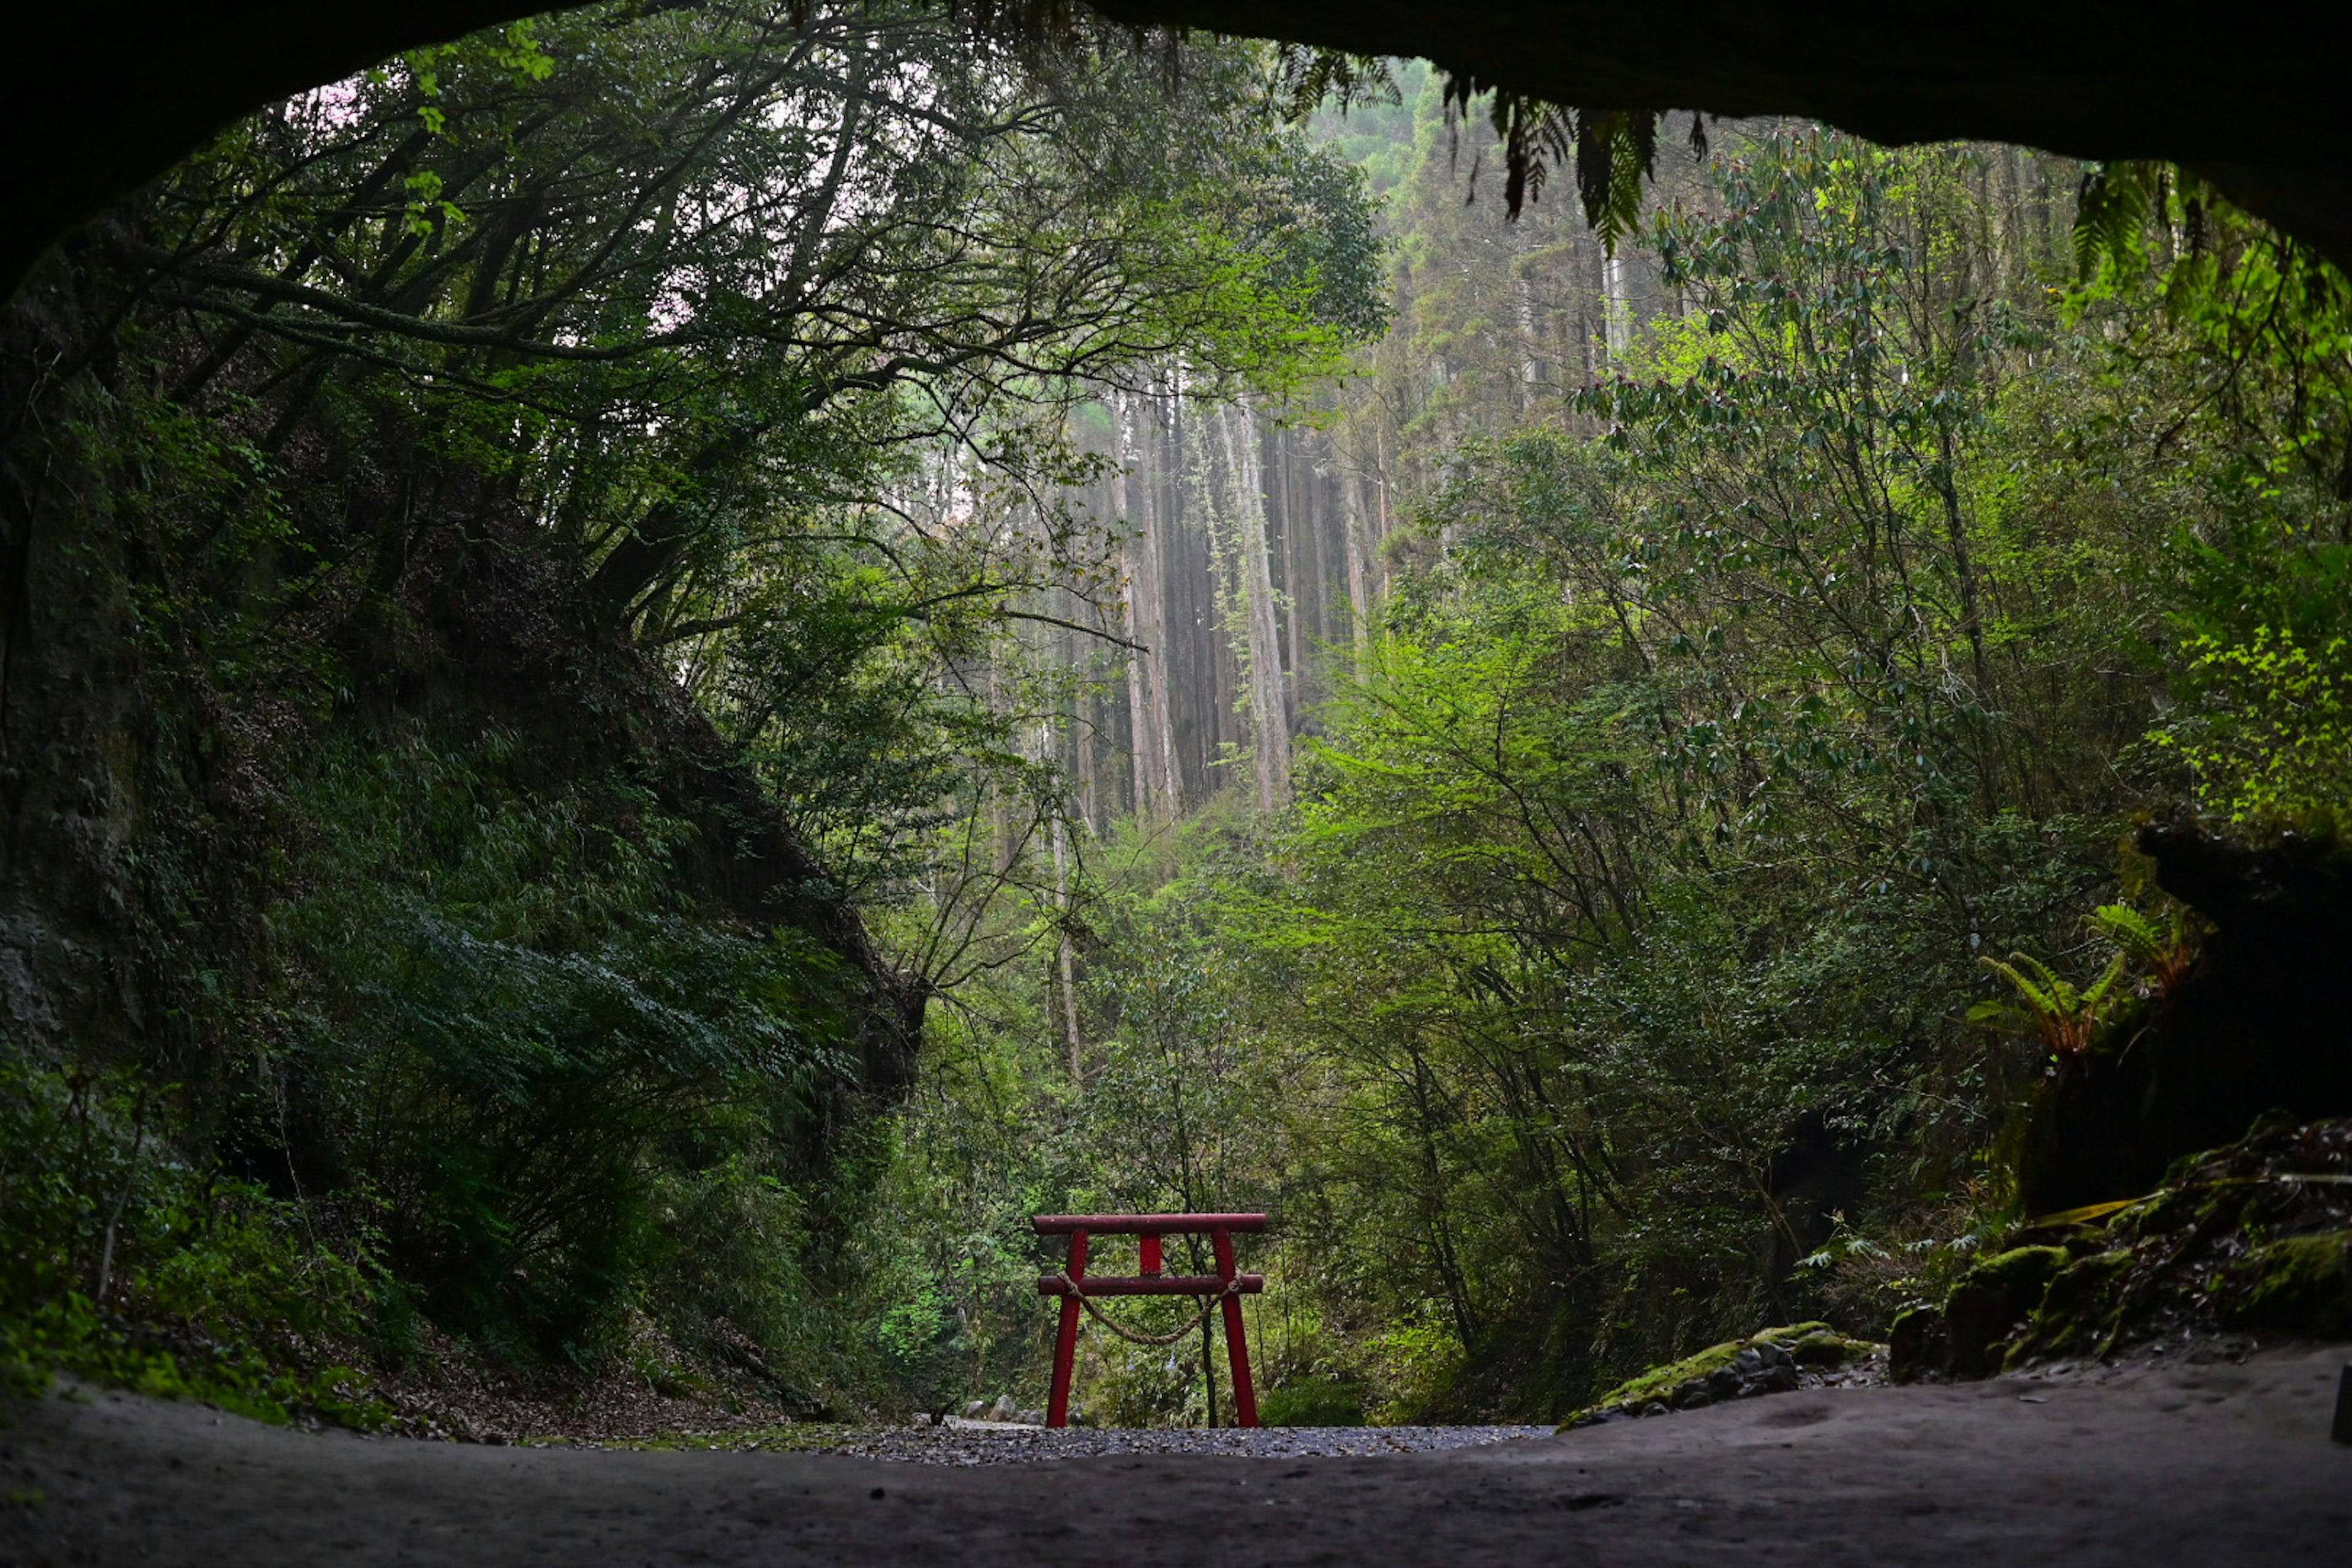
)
(109, 93)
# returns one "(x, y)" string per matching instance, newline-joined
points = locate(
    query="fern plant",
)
(2165, 952)
(2047, 1003)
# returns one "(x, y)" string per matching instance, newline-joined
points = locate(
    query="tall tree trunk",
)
(1160, 687)
(1068, 958)
(1528, 369)
(1295, 588)
(1617, 317)
(1143, 591)
(1086, 726)
(1140, 740)
(1138, 711)
(1261, 633)
(1360, 601)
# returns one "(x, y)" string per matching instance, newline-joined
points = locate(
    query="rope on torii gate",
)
(1070, 1289)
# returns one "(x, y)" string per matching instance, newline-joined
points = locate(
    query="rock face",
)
(2299, 1284)
(2255, 1025)
(146, 814)
(1991, 1300)
(1776, 1360)
(2253, 1239)
(1918, 1344)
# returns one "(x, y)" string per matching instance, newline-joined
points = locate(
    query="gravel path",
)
(988, 1442)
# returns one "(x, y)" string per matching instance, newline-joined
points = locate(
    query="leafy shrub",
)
(1313, 1402)
(119, 1262)
(561, 1076)
(2270, 740)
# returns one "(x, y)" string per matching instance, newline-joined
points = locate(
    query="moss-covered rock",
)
(1917, 1345)
(2020, 1269)
(1988, 1302)
(2255, 1023)
(2296, 1285)
(2252, 1237)
(1764, 1363)
(2080, 1238)
(1660, 1380)
(1825, 1348)
(2078, 1311)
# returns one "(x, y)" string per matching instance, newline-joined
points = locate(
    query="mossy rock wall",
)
(2297, 1284)
(2080, 1310)
(2255, 1026)
(2254, 1238)
(1991, 1300)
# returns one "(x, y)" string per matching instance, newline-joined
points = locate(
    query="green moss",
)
(2079, 1239)
(1660, 1380)
(1990, 1299)
(1826, 1348)
(2019, 1268)
(2298, 1285)
(2078, 1309)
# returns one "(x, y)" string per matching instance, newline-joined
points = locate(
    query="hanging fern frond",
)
(1614, 151)
(1308, 77)
(2112, 209)
(1616, 155)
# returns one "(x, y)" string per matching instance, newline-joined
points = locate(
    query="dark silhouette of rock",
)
(2261, 1022)
(106, 95)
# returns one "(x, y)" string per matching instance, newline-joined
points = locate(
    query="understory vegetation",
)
(1711, 866)
(665, 669)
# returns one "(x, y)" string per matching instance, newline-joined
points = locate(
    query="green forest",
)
(665, 668)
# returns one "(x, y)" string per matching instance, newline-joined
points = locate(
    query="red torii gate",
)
(1077, 1289)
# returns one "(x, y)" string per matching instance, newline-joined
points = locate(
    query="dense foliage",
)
(1751, 722)
(554, 492)
(595, 535)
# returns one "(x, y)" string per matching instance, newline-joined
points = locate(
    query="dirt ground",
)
(2191, 1464)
